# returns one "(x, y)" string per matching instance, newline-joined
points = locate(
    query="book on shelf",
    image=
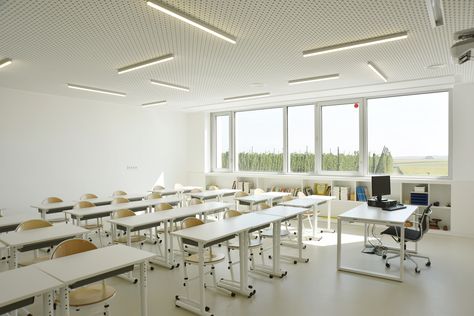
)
(336, 192)
(361, 193)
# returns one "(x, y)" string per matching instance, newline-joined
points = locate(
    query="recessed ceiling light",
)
(313, 79)
(190, 20)
(257, 85)
(147, 105)
(169, 85)
(5, 62)
(145, 63)
(245, 97)
(78, 87)
(377, 71)
(435, 12)
(356, 44)
(436, 66)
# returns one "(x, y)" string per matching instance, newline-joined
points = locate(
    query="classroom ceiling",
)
(53, 43)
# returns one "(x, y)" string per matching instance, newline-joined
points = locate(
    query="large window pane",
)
(408, 135)
(259, 140)
(340, 137)
(222, 141)
(301, 138)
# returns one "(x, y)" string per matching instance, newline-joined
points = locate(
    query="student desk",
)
(321, 200)
(212, 194)
(38, 238)
(9, 223)
(216, 232)
(150, 220)
(95, 265)
(20, 286)
(374, 215)
(259, 198)
(49, 208)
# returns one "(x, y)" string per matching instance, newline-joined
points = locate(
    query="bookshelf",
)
(401, 190)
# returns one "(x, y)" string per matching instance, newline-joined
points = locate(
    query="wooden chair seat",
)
(90, 294)
(134, 239)
(92, 226)
(254, 243)
(215, 258)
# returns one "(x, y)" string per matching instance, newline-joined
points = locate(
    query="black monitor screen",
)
(380, 186)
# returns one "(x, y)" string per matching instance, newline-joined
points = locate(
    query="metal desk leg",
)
(129, 275)
(48, 304)
(315, 224)
(402, 252)
(64, 301)
(143, 288)
(299, 244)
(328, 229)
(13, 263)
(339, 228)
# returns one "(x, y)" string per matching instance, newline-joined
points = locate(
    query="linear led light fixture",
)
(191, 20)
(148, 105)
(5, 62)
(145, 63)
(90, 89)
(435, 12)
(245, 97)
(313, 79)
(377, 71)
(169, 85)
(356, 44)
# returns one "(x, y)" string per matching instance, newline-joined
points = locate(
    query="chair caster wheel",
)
(207, 308)
(269, 257)
(384, 257)
(219, 245)
(177, 297)
(304, 247)
(387, 265)
(177, 265)
(250, 287)
(232, 294)
(172, 267)
(271, 276)
(310, 238)
(417, 270)
(295, 262)
(306, 261)
(135, 281)
(152, 268)
(428, 264)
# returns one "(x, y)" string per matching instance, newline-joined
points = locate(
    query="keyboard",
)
(394, 208)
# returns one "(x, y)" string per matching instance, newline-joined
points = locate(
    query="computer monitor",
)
(380, 186)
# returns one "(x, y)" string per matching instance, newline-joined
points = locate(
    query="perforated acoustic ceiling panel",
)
(83, 42)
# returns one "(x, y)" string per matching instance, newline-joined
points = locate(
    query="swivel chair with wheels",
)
(413, 235)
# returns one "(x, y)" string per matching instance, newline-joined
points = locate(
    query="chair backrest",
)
(52, 199)
(213, 187)
(33, 224)
(119, 200)
(119, 193)
(301, 194)
(158, 187)
(240, 194)
(191, 222)
(83, 204)
(263, 206)
(287, 198)
(124, 213)
(231, 213)
(195, 201)
(163, 207)
(88, 196)
(424, 221)
(71, 247)
(153, 196)
(258, 191)
(196, 191)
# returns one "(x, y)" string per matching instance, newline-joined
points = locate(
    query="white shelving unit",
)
(437, 190)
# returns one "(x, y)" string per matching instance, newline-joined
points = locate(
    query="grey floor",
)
(316, 288)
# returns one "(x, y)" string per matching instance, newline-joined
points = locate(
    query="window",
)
(340, 137)
(222, 141)
(301, 138)
(409, 135)
(259, 140)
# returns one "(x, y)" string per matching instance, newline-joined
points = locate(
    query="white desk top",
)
(322, 198)
(165, 192)
(33, 236)
(276, 194)
(54, 206)
(283, 211)
(23, 283)
(258, 198)
(306, 202)
(131, 197)
(213, 193)
(15, 220)
(70, 204)
(158, 217)
(91, 263)
(213, 231)
(375, 214)
(108, 209)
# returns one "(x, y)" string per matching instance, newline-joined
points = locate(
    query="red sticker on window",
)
(356, 105)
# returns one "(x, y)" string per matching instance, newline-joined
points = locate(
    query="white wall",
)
(197, 148)
(52, 145)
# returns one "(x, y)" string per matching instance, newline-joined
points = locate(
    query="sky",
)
(415, 125)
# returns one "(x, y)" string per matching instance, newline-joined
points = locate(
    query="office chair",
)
(413, 235)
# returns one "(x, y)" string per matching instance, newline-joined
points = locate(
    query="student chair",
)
(258, 191)
(54, 199)
(88, 196)
(97, 227)
(241, 194)
(158, 188)
(195, 201)
(119, 193)
(136, 237)
(210, 258)
(411, 235)
(213, 187)
(29, 225)
(88, 296)
(153, 196)
(119, 200)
